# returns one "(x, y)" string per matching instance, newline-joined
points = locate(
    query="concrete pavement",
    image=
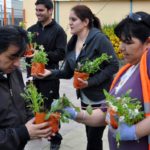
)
(73, 133)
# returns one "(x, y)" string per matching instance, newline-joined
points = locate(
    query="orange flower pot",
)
(39, 117)
(82, 75)
(37, 68)
(29, 50)
(113, 121)
(54, 122)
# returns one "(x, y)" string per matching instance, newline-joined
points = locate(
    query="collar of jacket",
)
(48, 25)
(92, 33)
(2, 77)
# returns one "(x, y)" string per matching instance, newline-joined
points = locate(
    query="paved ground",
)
(73, 133)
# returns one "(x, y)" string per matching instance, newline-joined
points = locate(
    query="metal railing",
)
(11, 16)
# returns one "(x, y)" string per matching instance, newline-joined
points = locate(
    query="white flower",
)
(125, 105)
(124, 99)
(121, 119)
(41, 47)
(136, 111)
(114, 108)
(117, 98)
(110, 103)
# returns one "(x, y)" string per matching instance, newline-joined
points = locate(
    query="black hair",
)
(134, 25)
(84, 12)
(13, 35)
(47, 3)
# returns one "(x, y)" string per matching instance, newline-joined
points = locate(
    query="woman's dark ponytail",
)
(96, 22)
(84, 12)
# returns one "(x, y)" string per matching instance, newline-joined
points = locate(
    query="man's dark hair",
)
(13, 35)
(47, 3)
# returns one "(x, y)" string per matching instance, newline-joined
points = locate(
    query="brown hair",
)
(84, 12)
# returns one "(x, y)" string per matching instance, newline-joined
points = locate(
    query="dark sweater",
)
(13, 113)
(54, 40)
(95, 44)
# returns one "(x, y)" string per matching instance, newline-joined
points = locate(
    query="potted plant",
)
(22, 24)
(39, 61)
(60, 105)
(36, 104)
(123, 109)
(29, 51)
(84, 70)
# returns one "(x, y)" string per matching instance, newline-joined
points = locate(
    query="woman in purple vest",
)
(134, 32)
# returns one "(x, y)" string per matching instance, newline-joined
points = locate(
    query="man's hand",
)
(30, 56)
(41, 76)
(38, 130)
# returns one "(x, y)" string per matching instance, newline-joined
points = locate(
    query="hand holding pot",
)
(80, 80)
(41, 76)
(38, 130)
(82, 83)
(127, 133)
(72, 112)
(31, 54)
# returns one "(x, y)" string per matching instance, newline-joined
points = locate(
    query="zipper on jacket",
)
(11, 92)
(12, 97)
(9, 84)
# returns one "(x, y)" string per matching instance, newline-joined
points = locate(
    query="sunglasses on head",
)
(137, 18)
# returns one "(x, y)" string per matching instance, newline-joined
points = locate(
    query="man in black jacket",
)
(16, 125)
(53, 38)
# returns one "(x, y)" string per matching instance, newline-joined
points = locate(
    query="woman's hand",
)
(70, 110)
(83, 84)
(127, 133)
(41, 76)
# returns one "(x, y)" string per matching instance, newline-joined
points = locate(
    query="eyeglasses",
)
(137, 18)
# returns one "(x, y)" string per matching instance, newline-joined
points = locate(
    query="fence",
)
(11, 16)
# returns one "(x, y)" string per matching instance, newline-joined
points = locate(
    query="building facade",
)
(108, 11)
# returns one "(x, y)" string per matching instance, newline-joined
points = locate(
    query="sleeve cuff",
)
(23, 134)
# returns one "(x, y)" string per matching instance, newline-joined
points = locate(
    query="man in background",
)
(53, 38)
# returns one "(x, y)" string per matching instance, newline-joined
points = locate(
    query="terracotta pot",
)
(29, 50)
(54, 122)
(39, 117)
(37, 68)
(82, 75)
(113, 116)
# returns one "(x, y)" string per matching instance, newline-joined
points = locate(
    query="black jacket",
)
(54, 40)
(13, 113)
(95, 44)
